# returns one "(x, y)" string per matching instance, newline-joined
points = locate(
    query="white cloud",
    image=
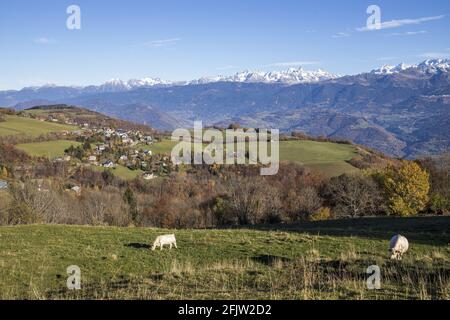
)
(44, 40)
(292, 64)
(341, 35)
(403, 22)
(161, 43)
(409, 33)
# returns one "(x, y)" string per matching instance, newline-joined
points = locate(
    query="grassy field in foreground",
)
(49, 149)
(326, 157)
(324, 260)
(15, 125)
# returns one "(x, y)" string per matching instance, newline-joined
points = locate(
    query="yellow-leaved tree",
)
(4, 172)
(407, 187)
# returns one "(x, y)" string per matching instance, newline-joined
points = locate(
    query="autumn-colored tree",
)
(407, 188)
(4, 172)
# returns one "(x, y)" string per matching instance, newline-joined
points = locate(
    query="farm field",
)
(15, 125)
(49, 149)
(326, 157)
(322, 260)
(121, 172)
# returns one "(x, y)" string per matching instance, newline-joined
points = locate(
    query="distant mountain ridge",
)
(428, 66)
(401, 110)
(289, 76)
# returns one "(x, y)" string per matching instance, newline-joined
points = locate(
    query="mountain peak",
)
(427, 66)
(289, 76)
(433, 65)
(389, 69)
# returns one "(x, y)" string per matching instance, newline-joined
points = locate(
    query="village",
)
(105, 147)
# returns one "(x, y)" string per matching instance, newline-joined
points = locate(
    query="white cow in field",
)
(166, 239)
(398, 247)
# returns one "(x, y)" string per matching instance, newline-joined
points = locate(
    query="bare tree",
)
(353, 195)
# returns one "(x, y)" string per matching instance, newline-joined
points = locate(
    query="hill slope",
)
(14, 125)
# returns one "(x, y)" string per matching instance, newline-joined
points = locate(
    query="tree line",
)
(216, 196)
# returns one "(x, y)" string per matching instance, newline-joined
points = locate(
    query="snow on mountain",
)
(290, 76)
(147, 82)
(387, 69)
(117, 85)
(435, 65)
(113, 85)
(428, 66)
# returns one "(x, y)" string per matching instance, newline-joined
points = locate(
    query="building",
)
(147, 139)
(3, 185)
(101, 148)
(149, 176)
(127, 141)
(76, 190)
(108, 164)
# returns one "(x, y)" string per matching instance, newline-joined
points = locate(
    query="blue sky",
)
(183, 40)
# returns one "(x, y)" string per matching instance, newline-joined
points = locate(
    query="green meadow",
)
(325, 157)
(121, 172)
(49, 149)
(321, 260)
(15, 125)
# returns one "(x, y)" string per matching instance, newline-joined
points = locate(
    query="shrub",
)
(321, 214)
(222, 212)
(439, 204)
(3, 172)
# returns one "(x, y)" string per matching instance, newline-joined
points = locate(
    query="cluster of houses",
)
(106, 154)
(132, 158)
(124, 148)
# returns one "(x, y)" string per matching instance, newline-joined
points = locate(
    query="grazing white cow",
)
(166, 239)
(398, 247)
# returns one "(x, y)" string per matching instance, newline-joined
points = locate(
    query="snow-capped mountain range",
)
(430, 66)
(290, 76)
